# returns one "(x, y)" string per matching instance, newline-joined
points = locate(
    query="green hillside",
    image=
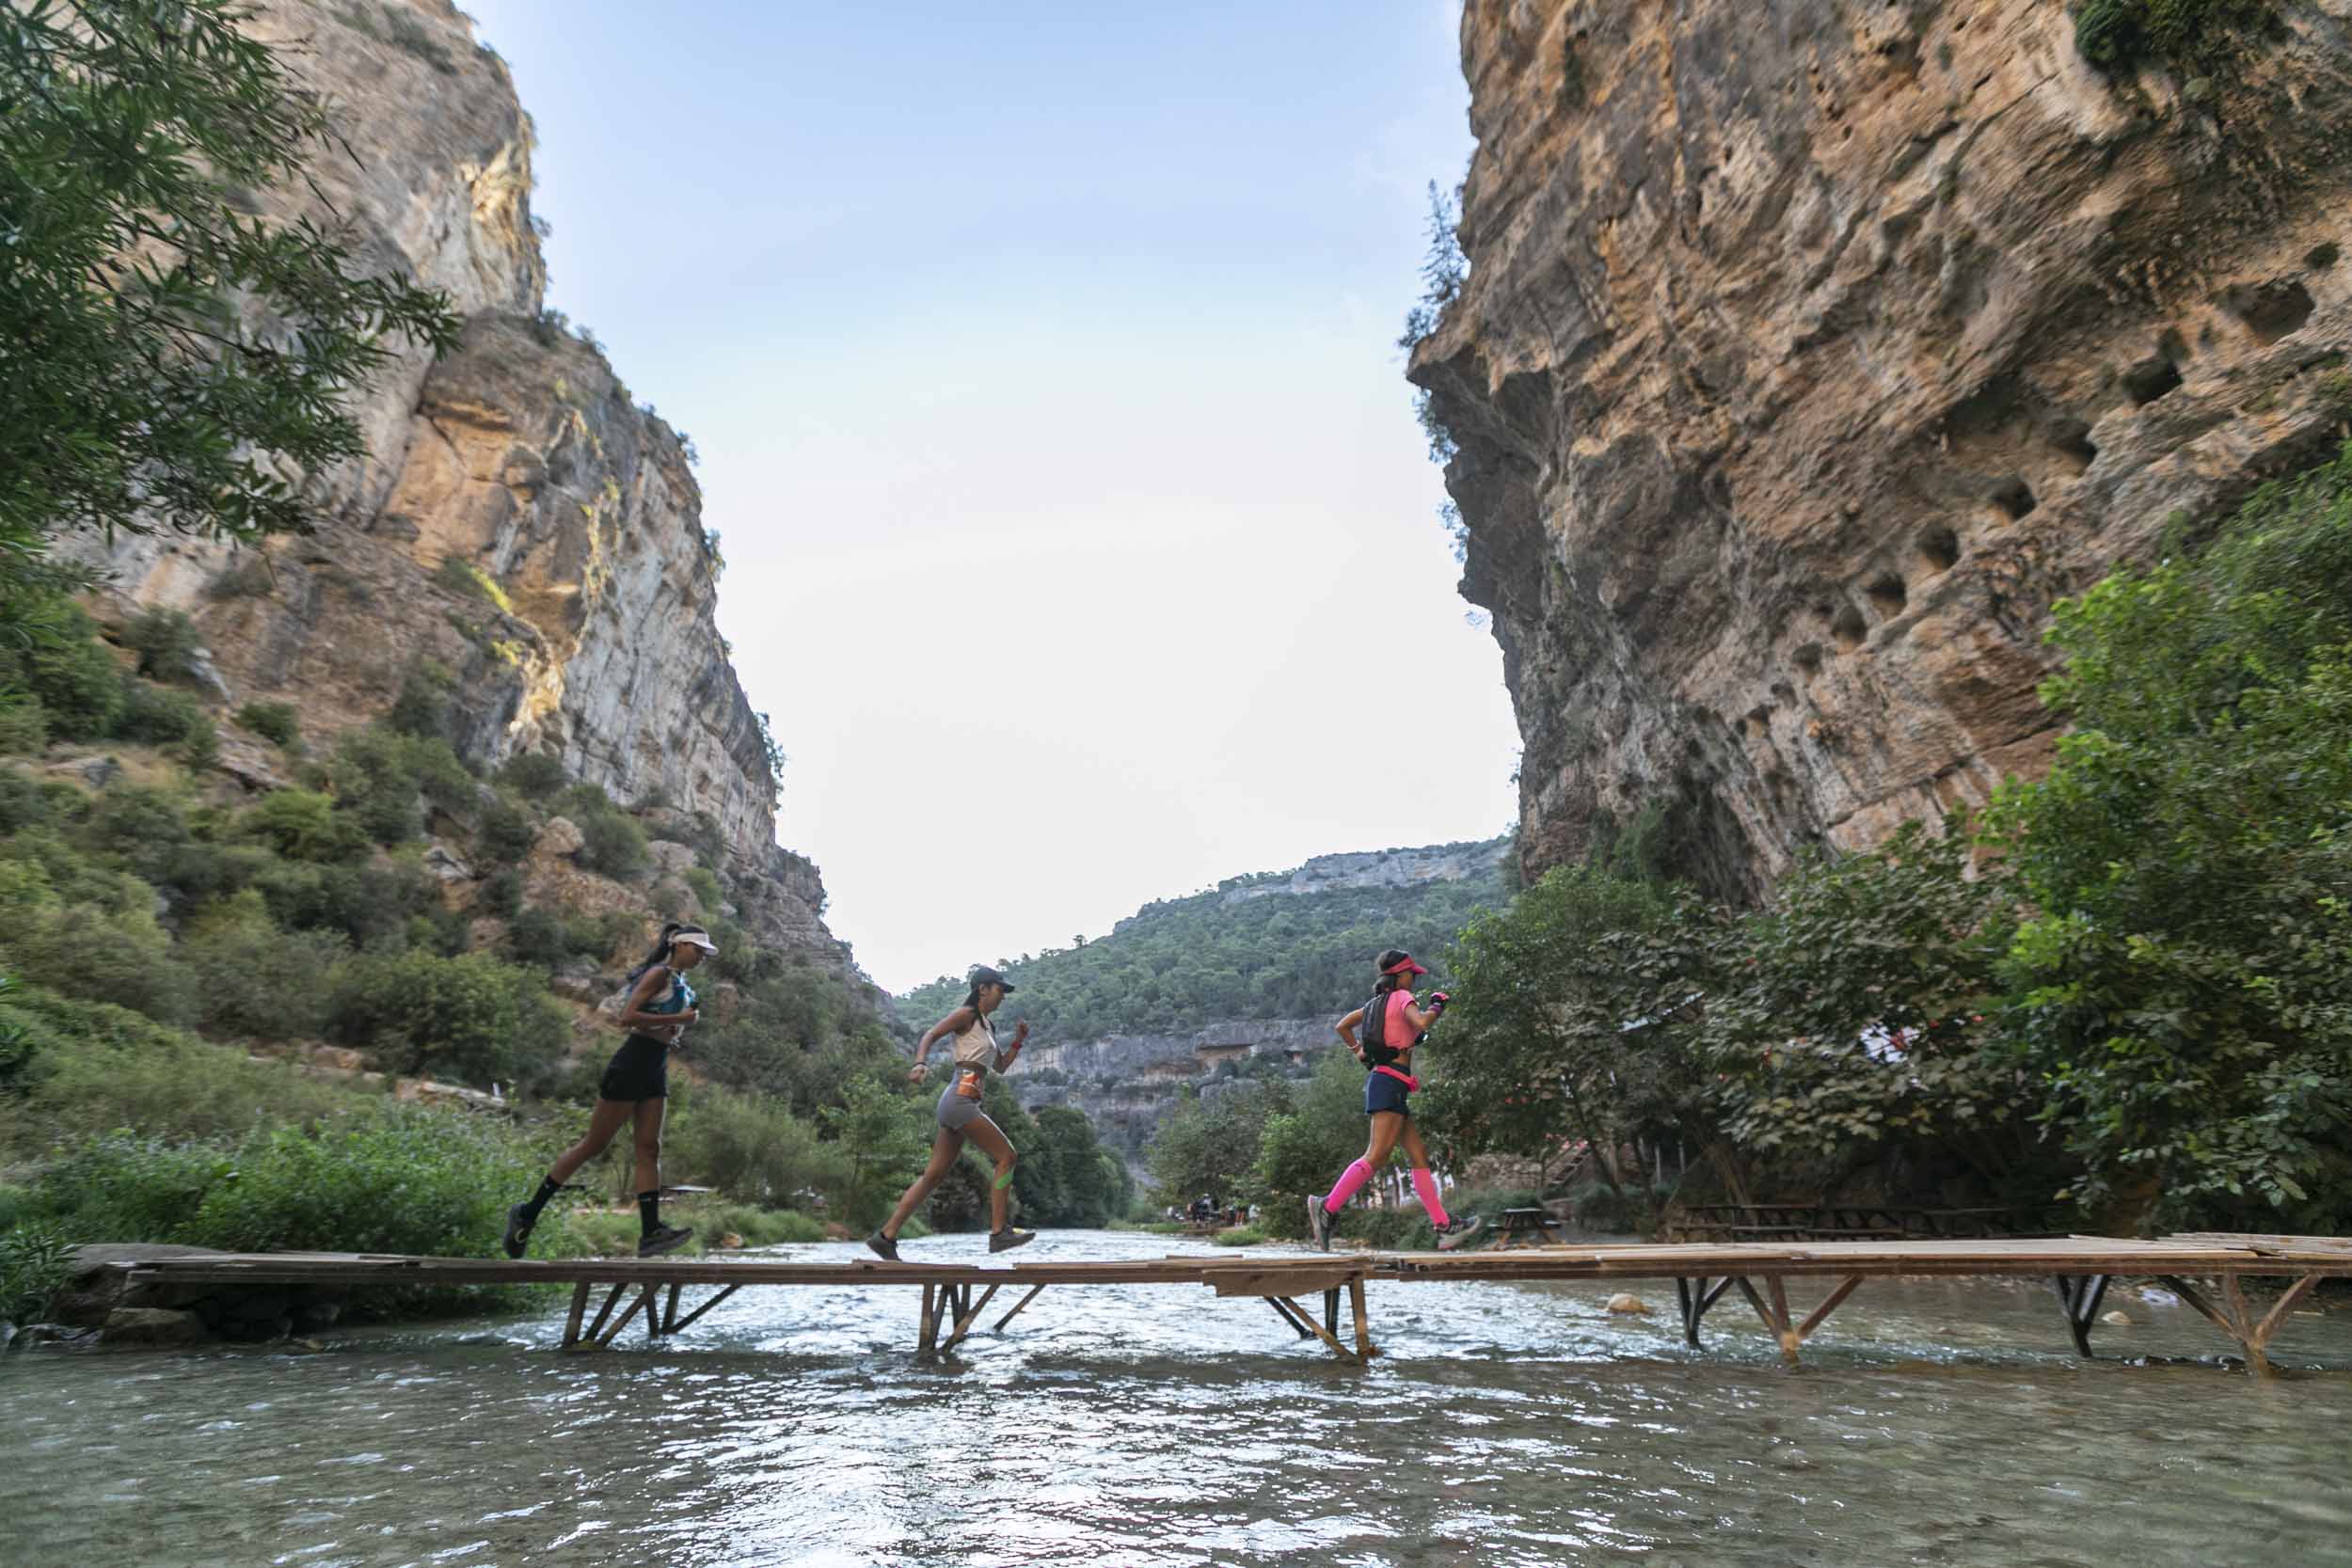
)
(1178, 962)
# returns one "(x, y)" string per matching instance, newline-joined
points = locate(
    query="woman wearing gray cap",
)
(976, 1055)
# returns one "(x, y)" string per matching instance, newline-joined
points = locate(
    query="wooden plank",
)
(1035, 1291)
(688, 1320)
(1297, 1281)
(964, 1323)
(2279, 1309)
(1325, 1335)
(1819, 1315)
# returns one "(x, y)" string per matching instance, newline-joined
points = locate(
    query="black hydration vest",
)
(1379, 1051)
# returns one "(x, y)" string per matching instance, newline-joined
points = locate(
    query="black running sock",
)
(549, 1187)
(650, 1210)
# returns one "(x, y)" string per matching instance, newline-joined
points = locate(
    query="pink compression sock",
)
(1426, 1185)
(1353, 1177)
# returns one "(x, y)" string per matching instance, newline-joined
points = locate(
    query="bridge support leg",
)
(594, 1337)
(580, 1307)
(1331, 1312)
(930, 1323)
(1776, 1311)
(1697, 1295)
(1330, 1339)
(968, 1310)
(2239, 1323)
(1289, 1314)
(1365, 1349)
(1017, 1306)
(676, 1323)
(2080, 1295)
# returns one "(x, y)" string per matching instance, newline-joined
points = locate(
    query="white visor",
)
(697, 939)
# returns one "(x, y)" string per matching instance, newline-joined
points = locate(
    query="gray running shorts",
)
(955, 1111)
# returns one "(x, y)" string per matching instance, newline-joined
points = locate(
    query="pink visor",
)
(1404, 966)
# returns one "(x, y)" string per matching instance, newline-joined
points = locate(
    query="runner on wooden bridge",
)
(976, 1055)
(1391, 1027)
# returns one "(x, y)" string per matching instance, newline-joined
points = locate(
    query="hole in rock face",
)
(1887, 595)
(2270, 310)
(2070, 438)
(2014, 496)
(1784, 694)
(2322, 256)
(1939, 547)
(2151, 379)
(1847, 628)
(1807, 657)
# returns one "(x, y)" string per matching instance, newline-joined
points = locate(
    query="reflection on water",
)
(1939, 1423)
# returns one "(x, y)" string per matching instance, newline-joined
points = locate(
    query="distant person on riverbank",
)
(976, 1055)
(635, 1087)
(1391, 1027)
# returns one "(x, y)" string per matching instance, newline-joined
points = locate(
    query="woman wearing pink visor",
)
(1391, 1027)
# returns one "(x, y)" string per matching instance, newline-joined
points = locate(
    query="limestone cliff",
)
(1809, 350)
(519, 525)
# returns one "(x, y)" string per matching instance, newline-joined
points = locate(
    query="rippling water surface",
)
(1935, 1422)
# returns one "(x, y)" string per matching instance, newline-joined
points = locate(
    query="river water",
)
(1937, 1422)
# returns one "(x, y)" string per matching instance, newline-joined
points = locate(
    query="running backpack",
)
(1379, 1051)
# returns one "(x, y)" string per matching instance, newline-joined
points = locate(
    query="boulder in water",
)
(2118, 1319)
(1627, 1303)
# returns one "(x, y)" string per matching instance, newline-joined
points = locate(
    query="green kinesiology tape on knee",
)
(1003, 1181)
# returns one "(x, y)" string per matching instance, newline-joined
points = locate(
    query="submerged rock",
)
(1625, 1302)
(153, 1326)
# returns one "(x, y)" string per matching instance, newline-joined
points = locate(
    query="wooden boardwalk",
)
(955, 1294)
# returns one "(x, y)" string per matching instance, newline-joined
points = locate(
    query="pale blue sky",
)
(1040, 359)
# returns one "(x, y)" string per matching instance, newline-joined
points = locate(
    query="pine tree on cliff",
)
(167, 361)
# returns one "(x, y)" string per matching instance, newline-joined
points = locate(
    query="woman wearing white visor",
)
(635, 1088)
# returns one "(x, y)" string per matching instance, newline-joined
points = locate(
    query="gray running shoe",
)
(1454, 1232)
(882, 1247)
(1008, 1238)
(668, 1238)
(1318, 1224)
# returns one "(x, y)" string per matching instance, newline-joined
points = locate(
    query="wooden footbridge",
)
(2207, 1271)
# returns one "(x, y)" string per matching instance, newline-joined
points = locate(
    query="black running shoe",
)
(1318, 1224)
(1454, 1232)
(519, 1220)
(882, 1247)
(1008, 1238)
(668, 1238)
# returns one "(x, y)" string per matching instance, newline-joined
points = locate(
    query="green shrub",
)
(706, 890)
(613, 844)
(245, 577)
(154, 715)
(278, 723)
(538, 937)
(1240, 1235)
(2114, 33)
(199, 749)
(371, 905)
(98, 1066)
(302, 825)
(24, 725)
(23, 803)
(261, 982)
(465, 577)
(505, 832)
(380, 773)
(469, 1018)
(123, 1186)
(165, 642)
(33, 1264)
(141, 827)
(534, 775)
(501, 895)
(1387, 1229)
(421, 709)
(74, 678)
(111, 952)
(749, 1145)
(200, 871)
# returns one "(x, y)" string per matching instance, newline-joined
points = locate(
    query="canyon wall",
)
(1810, 350)
(520, 531)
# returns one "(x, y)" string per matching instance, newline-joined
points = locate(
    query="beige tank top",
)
(977, 1046)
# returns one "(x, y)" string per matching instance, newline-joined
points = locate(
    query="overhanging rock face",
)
(1810, 350)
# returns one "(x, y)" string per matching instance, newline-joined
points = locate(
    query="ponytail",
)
(661, 953)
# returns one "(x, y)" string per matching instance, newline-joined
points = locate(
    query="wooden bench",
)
(1513, 1225)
